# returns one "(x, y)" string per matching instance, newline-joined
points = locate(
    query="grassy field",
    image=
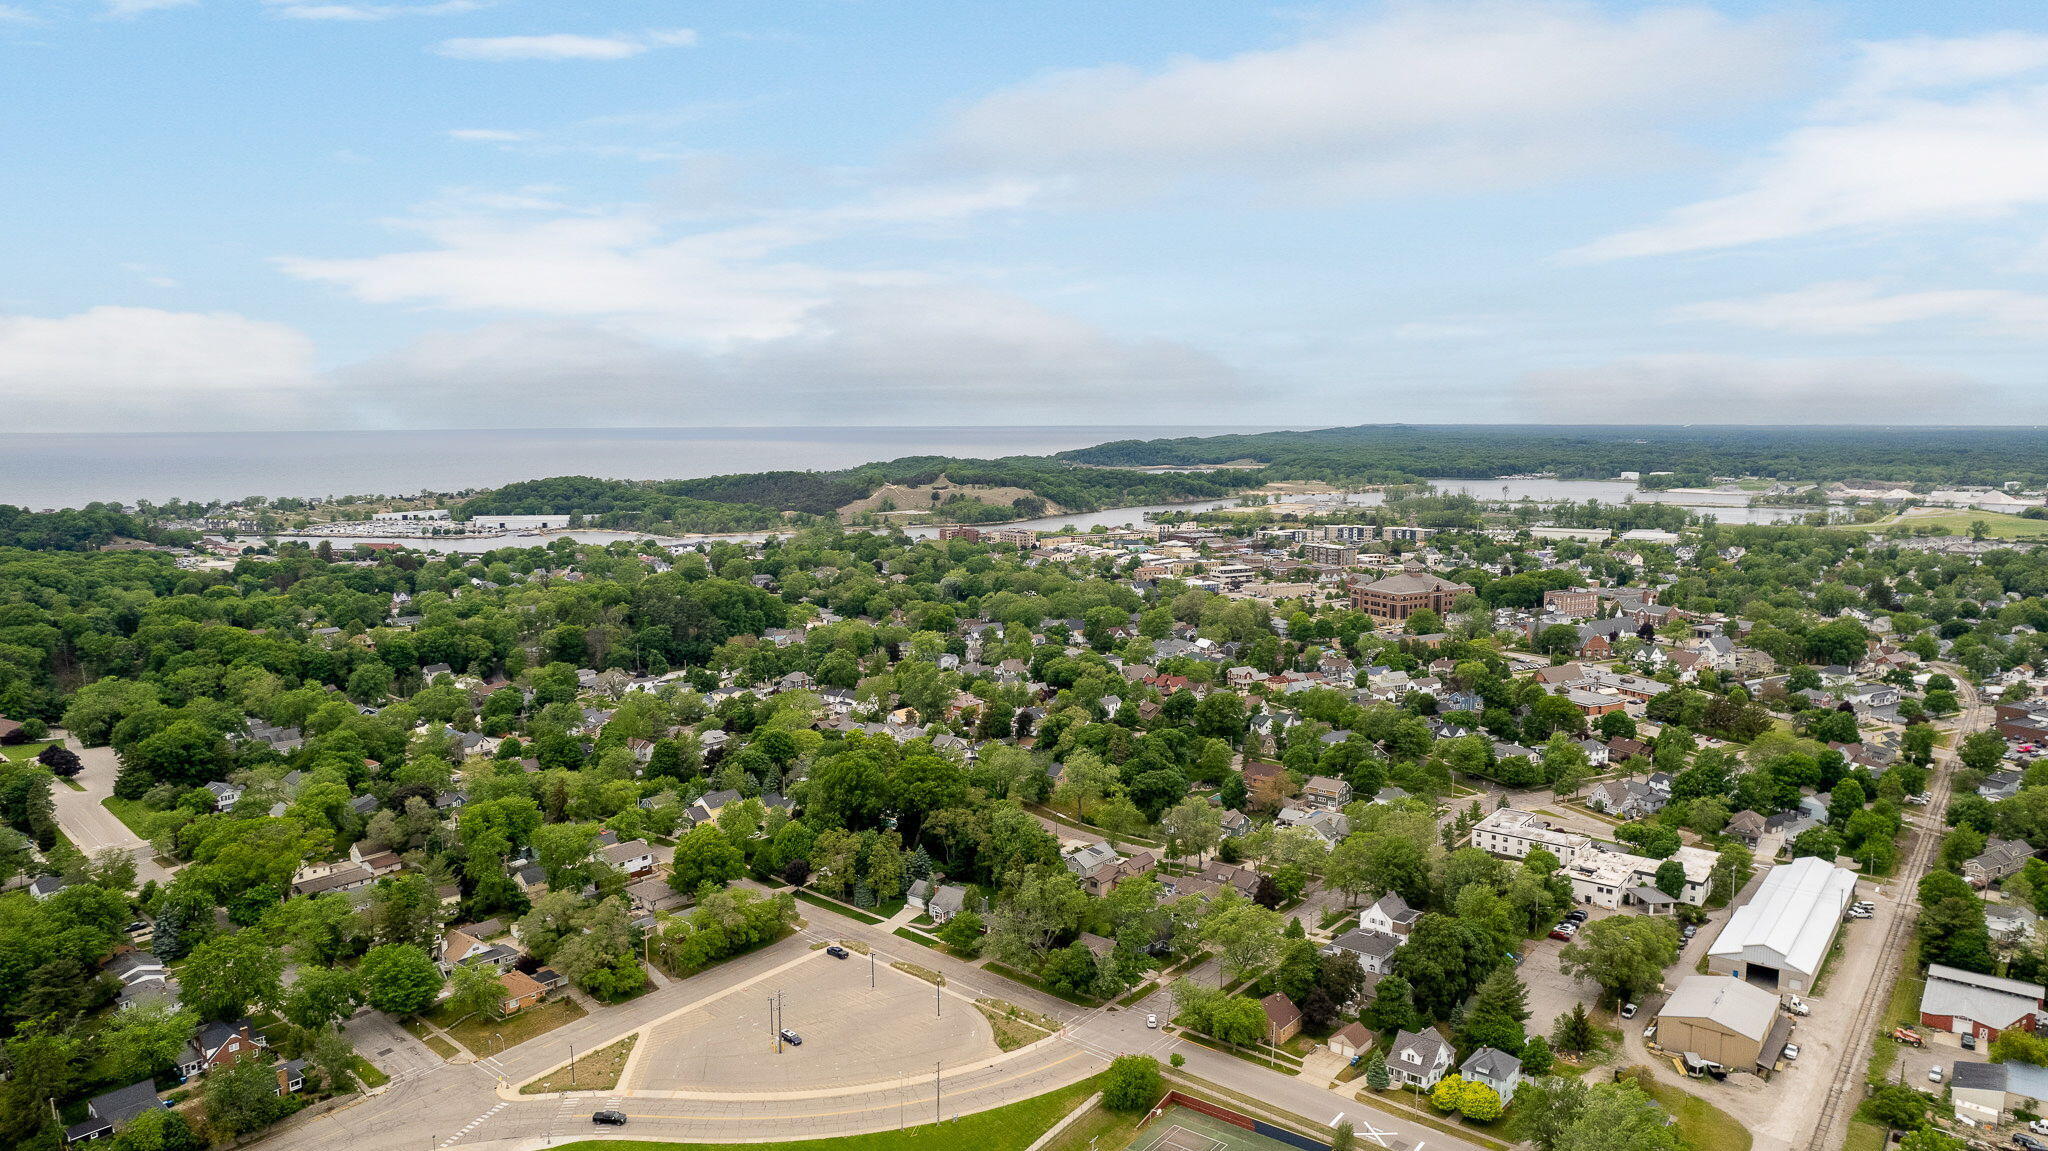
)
(486, 1036)
(1011, 1128)
(1704, 1126)
(598, 1070)
(26, 750)
(1014, 1026)
(1902, 1010)
(132, 814)
(846, 909)
(1957, 521)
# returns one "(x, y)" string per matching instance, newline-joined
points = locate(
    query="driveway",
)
(90, 826)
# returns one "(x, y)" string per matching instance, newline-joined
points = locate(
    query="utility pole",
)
(572, 1067)
(772, 1027)
(938, 1110)
(871, 969)
(938, 999)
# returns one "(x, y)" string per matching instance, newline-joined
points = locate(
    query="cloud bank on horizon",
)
(436, 213)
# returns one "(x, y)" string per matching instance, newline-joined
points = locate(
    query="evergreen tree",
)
(1496, 1014)
(1376, 1076)
(1573, 1032)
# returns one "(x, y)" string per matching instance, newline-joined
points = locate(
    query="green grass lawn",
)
(131, 812)
(26, 750)
(846, 909)
(1704, 1126)
(484, 1035)
(1957, 521)
(1010, 1128)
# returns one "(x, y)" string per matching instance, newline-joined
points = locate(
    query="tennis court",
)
(1181, 1129)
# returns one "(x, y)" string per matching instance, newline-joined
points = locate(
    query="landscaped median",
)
(598, 1070)
(1011, 1128)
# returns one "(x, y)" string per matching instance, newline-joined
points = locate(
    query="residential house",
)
(941, 901)
(1373, 951)
(1496, 1069)
(1324, 791)
(1283, 1018)
(1745, 826)
(1100, 869)
(2000, 858)
(634, 857)
(218, 1045)
(224, 795)
(2000, 785)
(1420, 1059)
(520, 991)
(107, 1113)
(1390, 915)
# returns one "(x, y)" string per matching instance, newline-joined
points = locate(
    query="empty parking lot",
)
(852, 1034)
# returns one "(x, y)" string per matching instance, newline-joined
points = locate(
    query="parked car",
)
(2028, 1142)
(1969, 1041)
(792, 1038)
(609, 1118)
(1576, 915)
(1686, 933)
(1628, 1010)
(1152, 1021)
(1563, 931)
(1797, 1006)
(1791, 1052)
(837, 952)
(2038, 1126)
(1934, 1074)
(1908, 1036)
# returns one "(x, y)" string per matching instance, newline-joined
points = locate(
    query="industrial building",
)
(1779, 939)
(1724, 1020)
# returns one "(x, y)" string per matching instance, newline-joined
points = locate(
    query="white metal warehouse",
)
(1780, 937)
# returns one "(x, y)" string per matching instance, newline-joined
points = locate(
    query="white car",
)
(1934, 1074)
(1791, 1052)
(1152, 1021)
(1628, 1011)
(2038, 1126)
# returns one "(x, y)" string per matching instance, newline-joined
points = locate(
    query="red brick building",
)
(1399, 596)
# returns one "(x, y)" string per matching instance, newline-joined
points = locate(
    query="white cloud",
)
(1442, 96)
(488, 135)
(1717, 389)
(342, 11)
(125, 9)
(527, 254)
(9, 14)
(143, 369)
(563, 46)
(1852, 307)
(1925, 131)
(869, 356)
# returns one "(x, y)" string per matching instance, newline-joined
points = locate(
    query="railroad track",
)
(1831, 1128)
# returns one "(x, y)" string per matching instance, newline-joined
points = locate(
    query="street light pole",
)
(938, 1110)
(771, 1026)
(572, 1067)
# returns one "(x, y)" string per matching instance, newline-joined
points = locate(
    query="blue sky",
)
(507, 213)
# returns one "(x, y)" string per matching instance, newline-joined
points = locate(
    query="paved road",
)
(475, 1107)
(90, 826)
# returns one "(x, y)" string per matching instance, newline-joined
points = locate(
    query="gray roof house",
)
(1420, 1059)
(1495, 1068)
(108, 1112)
(1373, 950)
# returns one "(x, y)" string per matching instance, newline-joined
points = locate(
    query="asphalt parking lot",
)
(851, 1034)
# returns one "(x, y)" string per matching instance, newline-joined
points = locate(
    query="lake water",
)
(70, 470)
